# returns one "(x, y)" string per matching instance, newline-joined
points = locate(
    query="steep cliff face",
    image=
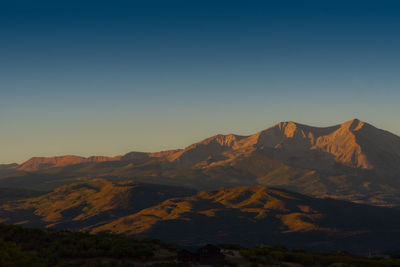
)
(353, 144)
(316, 148)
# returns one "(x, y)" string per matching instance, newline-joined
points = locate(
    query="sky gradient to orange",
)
(105, 79)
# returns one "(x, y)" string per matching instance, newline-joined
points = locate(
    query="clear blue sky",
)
(109, 77)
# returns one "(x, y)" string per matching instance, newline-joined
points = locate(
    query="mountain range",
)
(352, 161)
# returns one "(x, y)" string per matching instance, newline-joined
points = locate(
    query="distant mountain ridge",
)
(346, 143)
(37, 163)
(353, 161)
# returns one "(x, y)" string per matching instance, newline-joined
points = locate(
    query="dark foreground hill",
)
(245, 215)
(21, 247)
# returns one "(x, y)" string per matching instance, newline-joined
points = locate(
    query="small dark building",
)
(210, 254)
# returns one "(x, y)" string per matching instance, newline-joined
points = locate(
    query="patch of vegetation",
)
(40, 247)
(12, 255)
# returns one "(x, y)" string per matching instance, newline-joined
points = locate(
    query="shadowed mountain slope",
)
(258, 214)
(9, 194)
(245, 215)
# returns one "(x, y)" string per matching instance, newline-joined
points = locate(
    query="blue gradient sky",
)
(109, 77)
